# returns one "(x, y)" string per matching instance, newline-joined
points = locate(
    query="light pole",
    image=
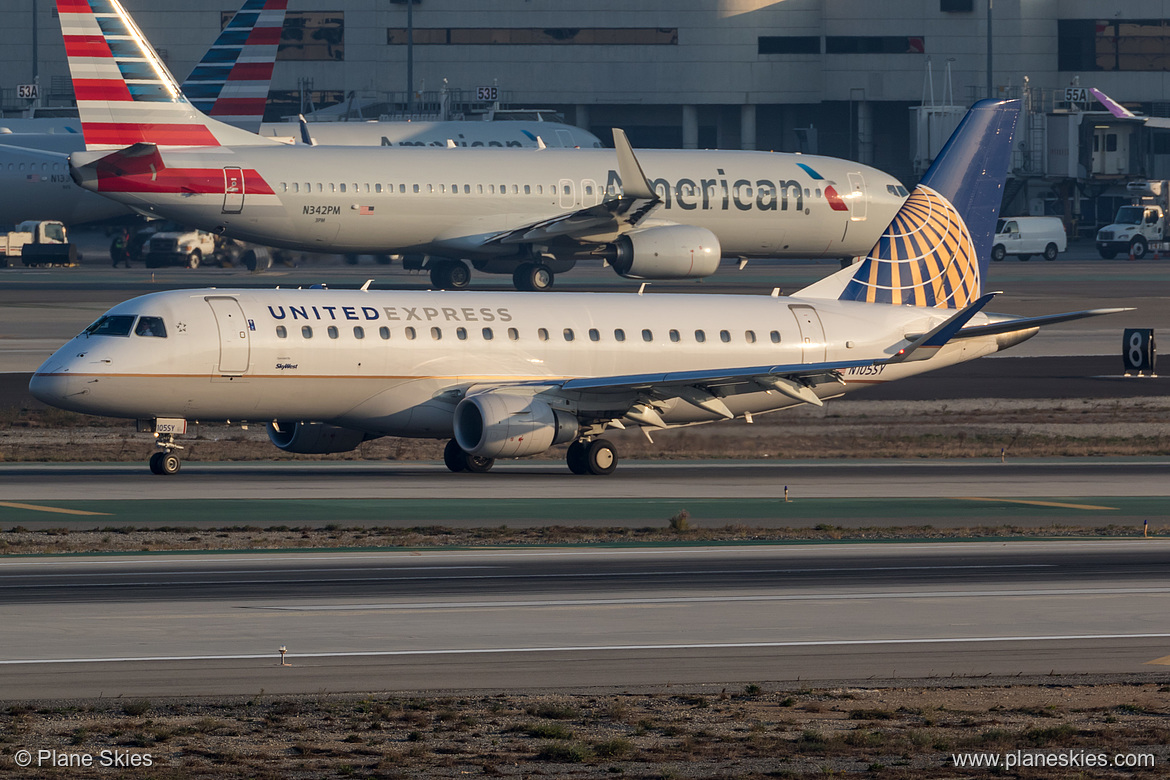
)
(989, 77)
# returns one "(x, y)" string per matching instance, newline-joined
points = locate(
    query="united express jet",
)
(507, 375)
(531, 213)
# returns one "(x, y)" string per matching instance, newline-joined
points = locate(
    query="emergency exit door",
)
(812, 334)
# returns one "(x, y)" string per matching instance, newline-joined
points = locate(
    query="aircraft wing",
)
(611, 216)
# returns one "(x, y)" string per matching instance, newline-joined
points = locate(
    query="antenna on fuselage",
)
(366, 286)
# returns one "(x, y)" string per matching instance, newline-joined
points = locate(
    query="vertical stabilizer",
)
(935, 252)
(232, 80)
(125, 94)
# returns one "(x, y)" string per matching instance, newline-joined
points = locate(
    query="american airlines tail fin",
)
(125, 94)
(231, 82)
(935, 252)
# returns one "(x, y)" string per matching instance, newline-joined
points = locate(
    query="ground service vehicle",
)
(38, 243)
(1027, 236)
(1137, 224)
(179, 247)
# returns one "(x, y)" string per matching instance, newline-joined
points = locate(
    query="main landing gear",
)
(598, 457)
(450, 274)
(533, 277)
(458, 460)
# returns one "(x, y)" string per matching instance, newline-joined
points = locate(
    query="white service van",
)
(1027, 236)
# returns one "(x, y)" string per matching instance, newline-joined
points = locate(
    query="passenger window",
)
(410, 334)
(384, 332)
(527, 189)
(115, 325)
(700, 336)
(359, 332)
(460, 333)
(568, 334)
(402, 188)
(332, 331)
(306, 332)
(542, 334)
(775, 337)
(750, 335)
(343, 186)
(594, 334)
(725, 336)
(416, 188)
(281, 332)
(675, 337)
(647, 335)
(491, 189)
(437, 334)
(466, 189)
(378, 187)
(619, 334)
(513, 334)
(150, 326)
(488, 335)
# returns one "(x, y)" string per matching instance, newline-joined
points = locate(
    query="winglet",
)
(634, 183)
(1115, 108)
(306, 139)
(939, 336)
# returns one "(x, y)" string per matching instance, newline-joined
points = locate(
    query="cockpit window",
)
(112, 325)
(151, 326)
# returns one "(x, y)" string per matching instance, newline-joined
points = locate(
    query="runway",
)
(1087, 492)
(211, 625)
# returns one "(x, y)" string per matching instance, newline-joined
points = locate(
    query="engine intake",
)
(666, 252)
(499, 425)
(314, 438)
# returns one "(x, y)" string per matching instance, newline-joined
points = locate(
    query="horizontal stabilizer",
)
(1026, 323)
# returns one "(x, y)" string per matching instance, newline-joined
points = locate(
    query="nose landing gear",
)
(166, 461)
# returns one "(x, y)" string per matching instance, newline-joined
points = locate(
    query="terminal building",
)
(882, 83)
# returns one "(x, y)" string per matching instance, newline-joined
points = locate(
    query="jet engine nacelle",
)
(313, 438)
(500, 425)
(666, 252)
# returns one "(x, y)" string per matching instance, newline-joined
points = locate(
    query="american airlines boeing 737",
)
(230, 83)
(529, 213)
(505, 375)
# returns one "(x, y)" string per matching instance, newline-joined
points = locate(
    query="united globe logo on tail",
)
(925, 258)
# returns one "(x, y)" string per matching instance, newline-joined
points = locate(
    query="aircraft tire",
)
(450, 275)
(454, 457)
(600, 457)
(165, 463)
(576, 458)
(478, 464)
(533, 277)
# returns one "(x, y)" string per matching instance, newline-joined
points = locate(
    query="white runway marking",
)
(596, 648)
(716, 599)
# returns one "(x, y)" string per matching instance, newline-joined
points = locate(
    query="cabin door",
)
(234, 344)
(233, 190)
(857, 203)
(812, 334)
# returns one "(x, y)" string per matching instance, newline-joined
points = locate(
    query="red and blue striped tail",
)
(935, 253)
(231, 82)
(125, 94)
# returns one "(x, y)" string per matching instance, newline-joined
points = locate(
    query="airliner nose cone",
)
(49, 388)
